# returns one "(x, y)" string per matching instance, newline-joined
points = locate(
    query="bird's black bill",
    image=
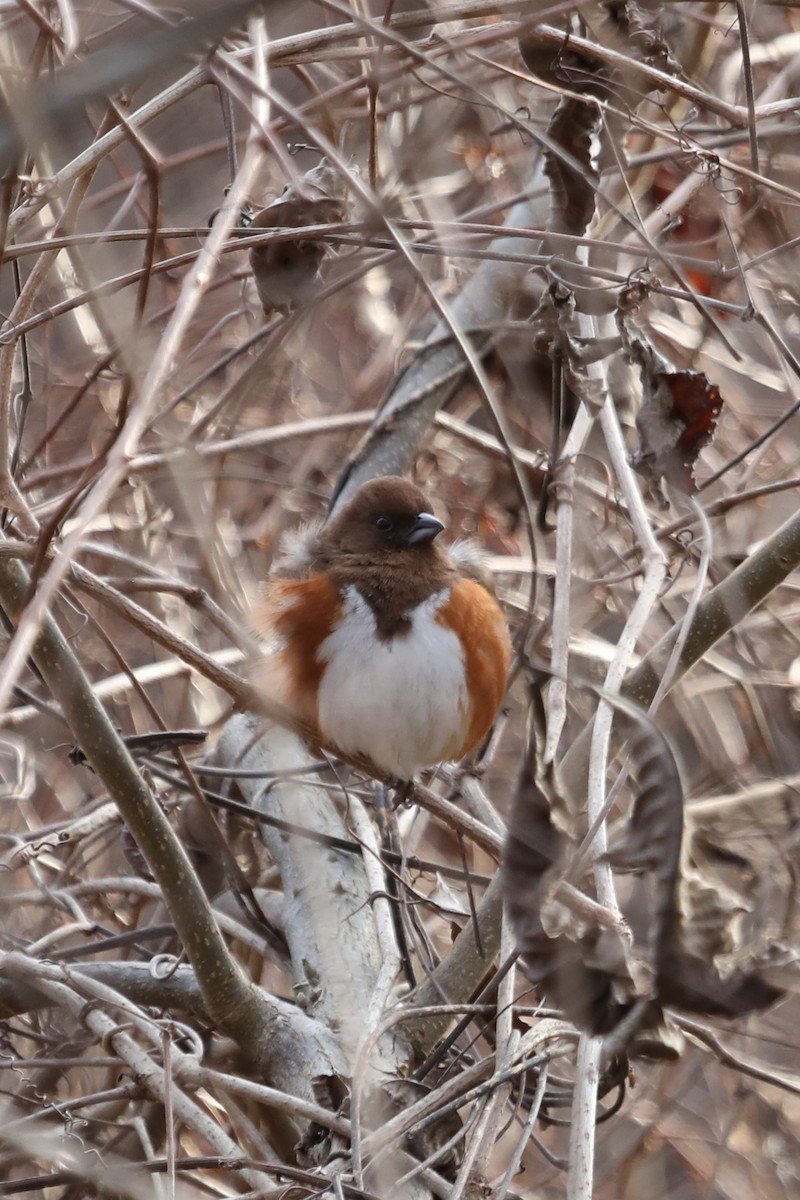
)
(425, 529)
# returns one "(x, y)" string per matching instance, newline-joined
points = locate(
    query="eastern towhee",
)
(381, 639)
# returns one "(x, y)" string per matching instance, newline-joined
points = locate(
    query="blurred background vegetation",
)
(481, 190)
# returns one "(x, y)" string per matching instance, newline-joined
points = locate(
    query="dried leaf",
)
(655, 832)
(572, 174)
(679, 409)
(585, 968)
(677, 419)
(286, 272)
(555, 953)
(694, 984)
(695, 230)
(533, 846)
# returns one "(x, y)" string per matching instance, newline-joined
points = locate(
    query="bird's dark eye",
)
(383, 523)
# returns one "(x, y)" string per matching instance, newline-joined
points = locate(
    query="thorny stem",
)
(141, 411)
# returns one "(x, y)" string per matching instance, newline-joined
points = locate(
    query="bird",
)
(390, 646)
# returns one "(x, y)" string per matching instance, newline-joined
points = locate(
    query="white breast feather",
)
(400, 702)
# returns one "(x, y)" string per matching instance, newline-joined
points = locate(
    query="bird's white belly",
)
(401, 702)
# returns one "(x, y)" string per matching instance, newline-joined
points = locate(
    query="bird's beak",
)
(424, 530)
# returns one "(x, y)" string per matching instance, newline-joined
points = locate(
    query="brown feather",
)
(473, 614)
